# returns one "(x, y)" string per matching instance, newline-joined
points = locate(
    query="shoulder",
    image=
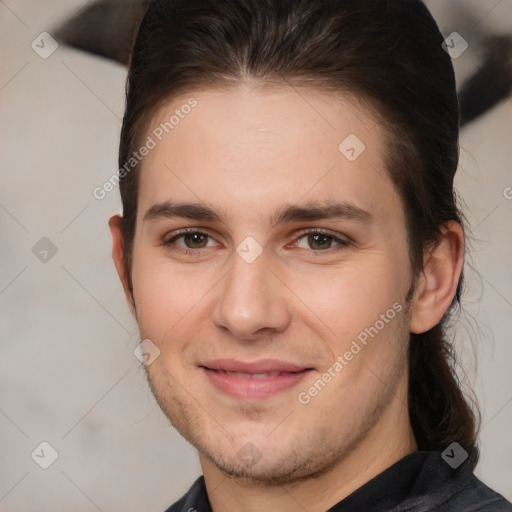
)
(439, 487)
(194, 500)
(464, 492)
(475, 496)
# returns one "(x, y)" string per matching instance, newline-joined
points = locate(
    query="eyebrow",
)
(314, 210)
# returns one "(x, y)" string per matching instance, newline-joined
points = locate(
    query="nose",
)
(252, 300)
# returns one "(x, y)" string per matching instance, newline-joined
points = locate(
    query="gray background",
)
(68, 373)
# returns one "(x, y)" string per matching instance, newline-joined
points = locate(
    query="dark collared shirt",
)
(420, 482)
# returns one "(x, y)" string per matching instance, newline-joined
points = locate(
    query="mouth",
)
(253, 380)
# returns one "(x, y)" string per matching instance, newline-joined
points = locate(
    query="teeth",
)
(239, 375)
(253, 375)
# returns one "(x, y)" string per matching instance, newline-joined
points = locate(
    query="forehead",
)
(245, 149)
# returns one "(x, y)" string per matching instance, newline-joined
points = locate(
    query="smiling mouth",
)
(254, 375)
(258, 380)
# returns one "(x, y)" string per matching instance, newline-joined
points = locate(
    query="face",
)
(278, 318)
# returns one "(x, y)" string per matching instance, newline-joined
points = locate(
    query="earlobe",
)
(116, 232)
(438, 282)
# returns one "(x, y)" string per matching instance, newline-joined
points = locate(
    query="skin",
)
(246, 153)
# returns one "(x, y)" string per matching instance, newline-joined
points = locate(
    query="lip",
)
(247, 380)
(261, 366)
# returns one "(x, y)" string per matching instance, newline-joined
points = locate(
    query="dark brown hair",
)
(389, 54)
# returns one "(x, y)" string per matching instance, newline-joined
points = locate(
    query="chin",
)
(273, 464)
(275, 472)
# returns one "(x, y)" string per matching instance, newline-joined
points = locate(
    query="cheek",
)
(352, 296)
(164, 296)
(362, 306)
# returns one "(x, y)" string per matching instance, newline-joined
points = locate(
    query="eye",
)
(192, 241)
(320, 240)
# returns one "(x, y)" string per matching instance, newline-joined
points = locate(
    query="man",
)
(291, 249)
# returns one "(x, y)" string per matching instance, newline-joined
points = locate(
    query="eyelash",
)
(342, 243)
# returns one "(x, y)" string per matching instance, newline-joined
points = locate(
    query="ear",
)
(117, 255)
(437, 284)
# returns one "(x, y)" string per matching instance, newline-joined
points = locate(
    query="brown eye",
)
(320, 241)
(195, 240)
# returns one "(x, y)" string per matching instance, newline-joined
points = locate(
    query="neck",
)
(388, 442)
